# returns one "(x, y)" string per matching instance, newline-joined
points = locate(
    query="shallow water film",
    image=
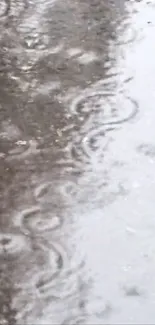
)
(77, 162)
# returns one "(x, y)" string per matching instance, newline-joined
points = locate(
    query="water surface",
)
(77, 159)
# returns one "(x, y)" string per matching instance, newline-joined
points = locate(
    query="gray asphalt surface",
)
(77, 162)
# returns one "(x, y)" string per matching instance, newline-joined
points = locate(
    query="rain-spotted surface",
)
(76, 162)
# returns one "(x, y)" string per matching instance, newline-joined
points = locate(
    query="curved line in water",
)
(70, 160)
(57, 248)
(19, 218)
(87, 147)
(90, 94)
(22, 220)
(45, 283)
(77, 101)
(131, 116)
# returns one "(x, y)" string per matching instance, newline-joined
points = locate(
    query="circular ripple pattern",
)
(113, 109)
(12, 244)
(87, 103)
(36, 221)
(44, 223)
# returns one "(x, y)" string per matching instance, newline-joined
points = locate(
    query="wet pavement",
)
(77, 162)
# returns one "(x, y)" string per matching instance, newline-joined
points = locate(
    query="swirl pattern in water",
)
(115, 109)
(102, 113)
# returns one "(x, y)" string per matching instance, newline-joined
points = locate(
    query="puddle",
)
(76, 162)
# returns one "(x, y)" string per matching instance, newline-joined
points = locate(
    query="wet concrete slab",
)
(77, 162)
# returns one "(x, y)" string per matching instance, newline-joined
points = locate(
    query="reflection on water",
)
(69, 114)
